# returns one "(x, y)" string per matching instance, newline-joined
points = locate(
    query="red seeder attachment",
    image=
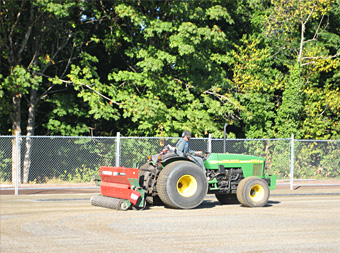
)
(119, 188)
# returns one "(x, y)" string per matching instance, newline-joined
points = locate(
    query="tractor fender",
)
(172, 159)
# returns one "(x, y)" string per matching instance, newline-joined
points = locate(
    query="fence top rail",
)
(301, 140)
(167, 138)
(60, 137)
(242, 139)
(88, 137)
(130, 137)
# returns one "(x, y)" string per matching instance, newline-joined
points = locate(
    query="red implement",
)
(115, 183)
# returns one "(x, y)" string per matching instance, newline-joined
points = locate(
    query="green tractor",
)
(178, 182)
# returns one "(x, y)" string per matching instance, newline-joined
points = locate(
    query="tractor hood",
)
(231, 160)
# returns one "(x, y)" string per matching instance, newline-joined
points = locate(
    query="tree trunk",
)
(30, 132)
(16, 119)
(302, 39)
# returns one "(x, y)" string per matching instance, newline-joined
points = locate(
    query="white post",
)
(292, 163)
(17, 159)
(118, 150)
(209, 144)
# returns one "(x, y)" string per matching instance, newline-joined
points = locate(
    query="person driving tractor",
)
(184, 151)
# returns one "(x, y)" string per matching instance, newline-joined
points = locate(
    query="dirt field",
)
(307, 219)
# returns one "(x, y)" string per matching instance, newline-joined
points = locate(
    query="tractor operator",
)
(183, 150)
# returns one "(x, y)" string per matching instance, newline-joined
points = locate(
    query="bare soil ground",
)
(7, 189)
(305, 219)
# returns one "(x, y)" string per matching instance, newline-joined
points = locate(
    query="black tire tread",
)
(240, 191)
(161, 188)
(162, 184)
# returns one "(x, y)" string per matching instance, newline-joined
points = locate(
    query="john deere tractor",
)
(178, 182)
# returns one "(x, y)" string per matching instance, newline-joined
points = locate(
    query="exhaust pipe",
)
(225, 138)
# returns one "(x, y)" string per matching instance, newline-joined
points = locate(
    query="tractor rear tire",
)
(227, 198)
(253, 192)
(182, 185)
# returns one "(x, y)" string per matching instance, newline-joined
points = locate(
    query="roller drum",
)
(108, 202)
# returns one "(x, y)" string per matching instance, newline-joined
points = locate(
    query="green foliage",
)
(289, 114)
(317, 160)
(5, 173)
(153, 94)
(276, 152)
(105, 150)
(79, 175)
(136, 151)
(268, 69)
(56, 8)
(20, 81)
(90, 89)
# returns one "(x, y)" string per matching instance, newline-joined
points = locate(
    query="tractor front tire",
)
(182, 185)
(227, 198)
(253, 192)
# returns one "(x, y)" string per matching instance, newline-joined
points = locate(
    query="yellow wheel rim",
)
(256, 193)
(187, 186)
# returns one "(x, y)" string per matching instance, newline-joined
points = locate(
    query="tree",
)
(36, 37)
(169, 64)
(301, 30)
(257, 84)
(159, 67)
(172, 58)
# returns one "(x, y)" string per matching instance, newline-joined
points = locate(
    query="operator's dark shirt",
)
(183, 148)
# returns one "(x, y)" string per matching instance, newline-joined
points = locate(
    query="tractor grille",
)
(257, 170)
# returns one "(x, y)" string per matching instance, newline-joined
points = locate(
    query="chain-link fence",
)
(76, 159)
(317, 159)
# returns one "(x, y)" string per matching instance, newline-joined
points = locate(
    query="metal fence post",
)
(17, 159)
(292, 163)
(118, 150)
(209, 144)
